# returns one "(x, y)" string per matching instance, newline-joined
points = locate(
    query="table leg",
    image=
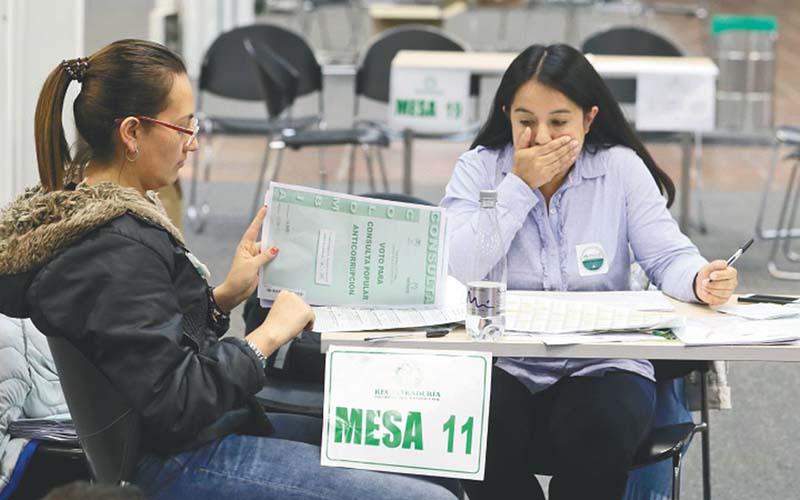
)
(705, 438)
(407, 160)
(686, 184)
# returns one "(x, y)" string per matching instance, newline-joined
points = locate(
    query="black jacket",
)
(104, 268)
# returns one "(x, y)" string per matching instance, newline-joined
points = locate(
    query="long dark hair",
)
(124, 78)
(565, 69)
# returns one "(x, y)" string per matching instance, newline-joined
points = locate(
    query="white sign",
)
(407, 410)
(675, 102)
(429, 100)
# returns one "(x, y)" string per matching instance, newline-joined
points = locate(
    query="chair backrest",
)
(107, 427)
(278, 78)
(374, 70)
(228, 72)
(628, 41)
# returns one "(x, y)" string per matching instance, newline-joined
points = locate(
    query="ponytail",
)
(52, 150)
(124, 78)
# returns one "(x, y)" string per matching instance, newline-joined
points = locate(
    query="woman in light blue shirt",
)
(577, 195)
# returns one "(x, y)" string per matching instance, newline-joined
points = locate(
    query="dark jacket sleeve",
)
(113, 296)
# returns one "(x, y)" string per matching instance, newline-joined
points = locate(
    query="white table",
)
(655, 349)
(525, 346)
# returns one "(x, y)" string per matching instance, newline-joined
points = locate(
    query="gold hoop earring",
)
(135, 155)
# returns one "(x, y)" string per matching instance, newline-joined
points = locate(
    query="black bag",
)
(298, 359)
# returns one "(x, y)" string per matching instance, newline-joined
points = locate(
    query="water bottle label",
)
(485, 299)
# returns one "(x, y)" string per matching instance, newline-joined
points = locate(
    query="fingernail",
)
(713, 276)
(273, 251)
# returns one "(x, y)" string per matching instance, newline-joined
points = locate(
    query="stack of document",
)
(350, 319)
(737, 331)
(44, 429)
(359, 319)
(760, 311)
(743, 324)
(540, 314)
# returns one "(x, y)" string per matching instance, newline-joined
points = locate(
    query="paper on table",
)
(740, 332)
(760, 311)
(600, 338)
(647, 300)
(351, 319)
(538, 314)
(357, 319)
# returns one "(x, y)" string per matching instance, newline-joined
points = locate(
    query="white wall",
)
(35, 35)
(110, 20)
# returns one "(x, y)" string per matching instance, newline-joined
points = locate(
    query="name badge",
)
(591, 259)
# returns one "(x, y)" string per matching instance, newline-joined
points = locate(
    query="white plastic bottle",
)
(486, 291)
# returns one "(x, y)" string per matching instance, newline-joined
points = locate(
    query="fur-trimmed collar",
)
(38, 225)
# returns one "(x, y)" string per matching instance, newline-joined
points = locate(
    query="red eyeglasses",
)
(192, 130)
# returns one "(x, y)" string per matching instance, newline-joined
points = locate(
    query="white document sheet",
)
(350, 319)
(576, 338)
(539, 314)
(760, 311)
(649, 300)
(356, 319)
(738, 331)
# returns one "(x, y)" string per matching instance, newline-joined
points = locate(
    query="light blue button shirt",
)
(609, 203)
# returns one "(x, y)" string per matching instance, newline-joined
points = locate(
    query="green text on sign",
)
(354, 423)
(416, 107)
(450, 428)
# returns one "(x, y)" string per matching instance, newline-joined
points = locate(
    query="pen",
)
(738, 253)
(429, 334)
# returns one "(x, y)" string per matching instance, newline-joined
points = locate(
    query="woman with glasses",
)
(90, 256)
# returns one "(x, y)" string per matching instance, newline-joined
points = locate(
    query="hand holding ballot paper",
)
(343, 250)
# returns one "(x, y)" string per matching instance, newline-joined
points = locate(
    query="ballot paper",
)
(343, 250)
(760, 311)
(540, 314)
(737, 331)
(577, 338)
(358, 319)
(644, 300)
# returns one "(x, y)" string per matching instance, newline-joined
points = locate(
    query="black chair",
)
(227, 72)
(669, 441)
(280, 82)
(672, 441)
(107, 426)
(374, 74)
(786, 139)
(628, 41)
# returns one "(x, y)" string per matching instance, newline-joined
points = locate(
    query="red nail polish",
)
(273, 251)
